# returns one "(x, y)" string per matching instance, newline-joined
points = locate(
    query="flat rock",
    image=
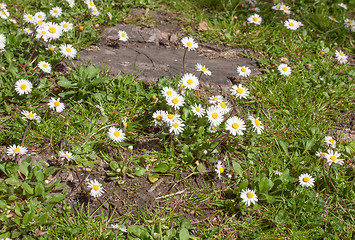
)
(152, 54)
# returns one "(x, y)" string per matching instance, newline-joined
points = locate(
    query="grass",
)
(297, 111)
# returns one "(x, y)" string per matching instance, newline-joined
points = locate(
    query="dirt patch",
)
(153, 53)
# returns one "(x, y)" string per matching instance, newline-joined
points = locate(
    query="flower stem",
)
(183, 62)
(331, 178)
(31, 54)
(115, 124)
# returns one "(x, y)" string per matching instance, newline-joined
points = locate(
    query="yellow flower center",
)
(55, 10)
(291, 24)
(240, 91)
(66, 156)
(45, 65)
(250, 195)
(213, 128)
(351, 26)
(198, 109)
(175, 101)
(91, 4)
(175, 125)
(65, 25)
(16, 150)
(334, 19)
(306, 179)
(31, 115)
(116, 133)
(95, 187)
(322, 153)
(341, 53)
(189, 81)
(331, 140)
(23, 86)
(221, 170)
(257, 122)
(284, 69)
(30, 17)
(215, 115)
(40, 16)
(125, 124)
(52, 30)
(40, 22)
(170, 116)
(43, 32)
(243, 70)
(255, 19)
(81, 28)
(95, 11)
(333, 158)
(56, 103)
(277, 7)
(223, 105)
(169, 93)
(159, 117)
(215, 99)
(322, 53)
(51, 48)
(204, 69)
(235, 125)
(285, 8)
(68, 50)
(189, 44)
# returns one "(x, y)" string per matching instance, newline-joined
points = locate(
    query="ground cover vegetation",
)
(271, 156)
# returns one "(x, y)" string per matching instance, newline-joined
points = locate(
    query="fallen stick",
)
(171, 195)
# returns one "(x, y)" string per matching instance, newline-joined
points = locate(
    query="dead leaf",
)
(203, 26)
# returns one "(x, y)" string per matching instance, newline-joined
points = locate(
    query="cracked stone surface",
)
(151, 54)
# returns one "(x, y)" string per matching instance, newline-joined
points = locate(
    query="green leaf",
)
(280, 218)
(184, 234)
(12, 181)
(39, 175)
(139, 171)
(161, 168)
(57, 198)
(201, 167)
(237, 168)
(39, 189)
(265, 185)
(27, 217)
(92, 71)
(66, 83)
(27, 187)
(24, 168)
(137, 231)
(284, 146)
(43, 219)
(171, 233)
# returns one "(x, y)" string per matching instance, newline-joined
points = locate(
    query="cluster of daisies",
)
(4, 13)
(348, 23)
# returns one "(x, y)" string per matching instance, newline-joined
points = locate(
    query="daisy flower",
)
(95, 12)
(216, 99)
(124, 122)
(277, 6)
(96, 188)
(198, 110)
(257, 125)
(215, 116)
(176, 127)
(29, 115)
(40, 16)
(322, 51)
(341, 57)
(343, 6)
(68, 51)
(27, 30)
(255, 9)
(45, 66)
(235, 125)
(116, 134)
(66, 26)
(51, 48)
(351, 27)
(54, 30)
(16, 149)
(28, 18)
(158, 117)
(168, 92)
(276, 172)
(320, 154)
(306, 180)
(212, 129)
(284, 59)
(56, 105)
(285, 9)
(66, 156)
(292, 24)
(55, 12)
(348, 21)
(189, 43)
(90, 4)
(176, 101)
(39, 22)
(255, 18)
(243, 71)
(203, 69)
(23, 86)
(333, 157)
(219, 169)
(71, 3)
(2, 6)
(42, 34)
(4, 14)
(109, 15)
(284, 69)
(224, 106)
(333, 19)
(169, 118)
(248, 196)
(122, 36)
(329, 141)
(239, 91)
(189, 81)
